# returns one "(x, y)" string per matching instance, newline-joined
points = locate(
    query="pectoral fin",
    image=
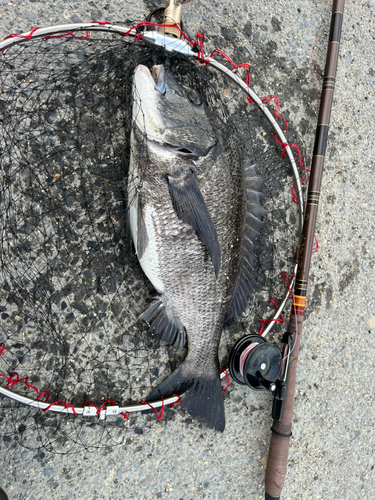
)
(142, 237)
(191, 208)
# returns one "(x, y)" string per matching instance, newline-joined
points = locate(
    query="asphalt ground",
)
(332, 449)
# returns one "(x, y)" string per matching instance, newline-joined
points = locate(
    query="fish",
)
(194, 212)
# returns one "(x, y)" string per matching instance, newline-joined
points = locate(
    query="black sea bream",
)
(194, 213)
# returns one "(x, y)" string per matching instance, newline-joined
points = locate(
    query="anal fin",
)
(159, 324)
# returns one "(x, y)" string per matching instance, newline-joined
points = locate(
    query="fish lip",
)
(178, 150)
(158, 75)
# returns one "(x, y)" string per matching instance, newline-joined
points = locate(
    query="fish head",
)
(171, 116)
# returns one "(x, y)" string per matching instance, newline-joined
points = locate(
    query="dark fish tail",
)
(202, 395)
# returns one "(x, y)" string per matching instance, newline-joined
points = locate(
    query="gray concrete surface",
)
(332, 452)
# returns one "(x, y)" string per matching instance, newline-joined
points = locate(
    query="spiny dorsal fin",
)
(253, 223)
(191, 208)
(159, 324)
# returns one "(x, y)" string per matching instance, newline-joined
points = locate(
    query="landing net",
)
(70, 289)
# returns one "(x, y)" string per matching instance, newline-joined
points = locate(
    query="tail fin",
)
(203, 398)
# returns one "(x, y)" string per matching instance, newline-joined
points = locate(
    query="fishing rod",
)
(282, 424)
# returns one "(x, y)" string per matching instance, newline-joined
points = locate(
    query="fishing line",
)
(71, 345)
(245, 354)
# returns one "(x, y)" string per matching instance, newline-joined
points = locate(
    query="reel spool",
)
(256, 363)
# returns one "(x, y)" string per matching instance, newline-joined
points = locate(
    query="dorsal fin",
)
(253, 223)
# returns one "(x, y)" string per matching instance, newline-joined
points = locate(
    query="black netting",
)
(70, 289)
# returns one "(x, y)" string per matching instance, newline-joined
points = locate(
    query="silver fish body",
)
(187, 210)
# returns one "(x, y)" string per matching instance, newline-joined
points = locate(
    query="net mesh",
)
(70, 288)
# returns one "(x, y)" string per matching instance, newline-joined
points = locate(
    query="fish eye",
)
(194, 98)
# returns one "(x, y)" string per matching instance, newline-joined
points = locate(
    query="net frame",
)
(182, 47)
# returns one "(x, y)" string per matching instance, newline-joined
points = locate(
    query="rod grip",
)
(276, 466)
(281, 431)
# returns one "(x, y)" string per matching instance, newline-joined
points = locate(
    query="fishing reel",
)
(260, 365)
